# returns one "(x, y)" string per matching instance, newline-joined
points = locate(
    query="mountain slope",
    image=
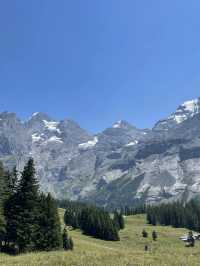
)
(120, 166)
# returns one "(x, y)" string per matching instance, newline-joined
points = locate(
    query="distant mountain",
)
(186, 110)
(122, 165)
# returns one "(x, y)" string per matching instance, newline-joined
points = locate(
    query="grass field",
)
(167, 250)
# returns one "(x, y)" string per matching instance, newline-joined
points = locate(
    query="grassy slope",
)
(167, 250)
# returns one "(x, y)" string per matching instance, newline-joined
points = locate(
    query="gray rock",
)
(121, 166)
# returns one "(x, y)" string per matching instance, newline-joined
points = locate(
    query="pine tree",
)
(116, 220)
(13, 184)
(27, 211)
(49, 233)
(144, 233)
(6, 186)
(121, 221)
(154, 235)
(2, 202)
(2, 225)
(11, 210)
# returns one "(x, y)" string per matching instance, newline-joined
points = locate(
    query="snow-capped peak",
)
(118, 124)
(121, 124)
(39, 116)
(192, 106)
(186, 110)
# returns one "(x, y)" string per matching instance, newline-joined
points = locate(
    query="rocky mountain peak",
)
(122, 124)
(8, 116)
(186, 110)
(39, 116)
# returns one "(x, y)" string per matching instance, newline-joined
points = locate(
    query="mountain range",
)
(122, 165)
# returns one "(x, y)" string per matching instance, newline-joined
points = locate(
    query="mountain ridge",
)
(120, 165)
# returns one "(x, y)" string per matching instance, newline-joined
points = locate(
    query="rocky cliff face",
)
(122, 165)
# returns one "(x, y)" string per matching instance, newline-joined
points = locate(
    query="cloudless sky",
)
(98, 61)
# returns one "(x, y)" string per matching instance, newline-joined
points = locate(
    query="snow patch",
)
(179, 118)
(118, 124)
(34, 114)
(191, 106)
(132, 143)
(36, 137)
(179, 186)
(52, 126)
(89, 144)
(54, 139)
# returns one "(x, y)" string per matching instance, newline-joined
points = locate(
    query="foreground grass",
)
(167, 250)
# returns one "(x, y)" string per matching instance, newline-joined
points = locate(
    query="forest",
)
(29, 219)
(94, 221)
(176, 214)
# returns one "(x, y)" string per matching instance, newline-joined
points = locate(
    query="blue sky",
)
(98, 61)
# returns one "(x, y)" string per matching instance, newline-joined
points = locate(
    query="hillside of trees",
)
(175, 214)
(93, 221)
(29, 219)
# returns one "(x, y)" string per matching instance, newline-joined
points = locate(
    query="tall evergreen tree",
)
(49, 233)
(2, 202)
(154, 235)
(13, 181)
(11, 210)
(116, 220)
(27, 201)
(9, 206)
(144, 233)
(121, 221)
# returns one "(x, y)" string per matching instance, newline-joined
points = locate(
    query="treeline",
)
(29, 220)
(127, 210)
(93, 221)
(175, 214)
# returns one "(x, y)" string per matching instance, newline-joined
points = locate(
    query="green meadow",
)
(88, 251)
